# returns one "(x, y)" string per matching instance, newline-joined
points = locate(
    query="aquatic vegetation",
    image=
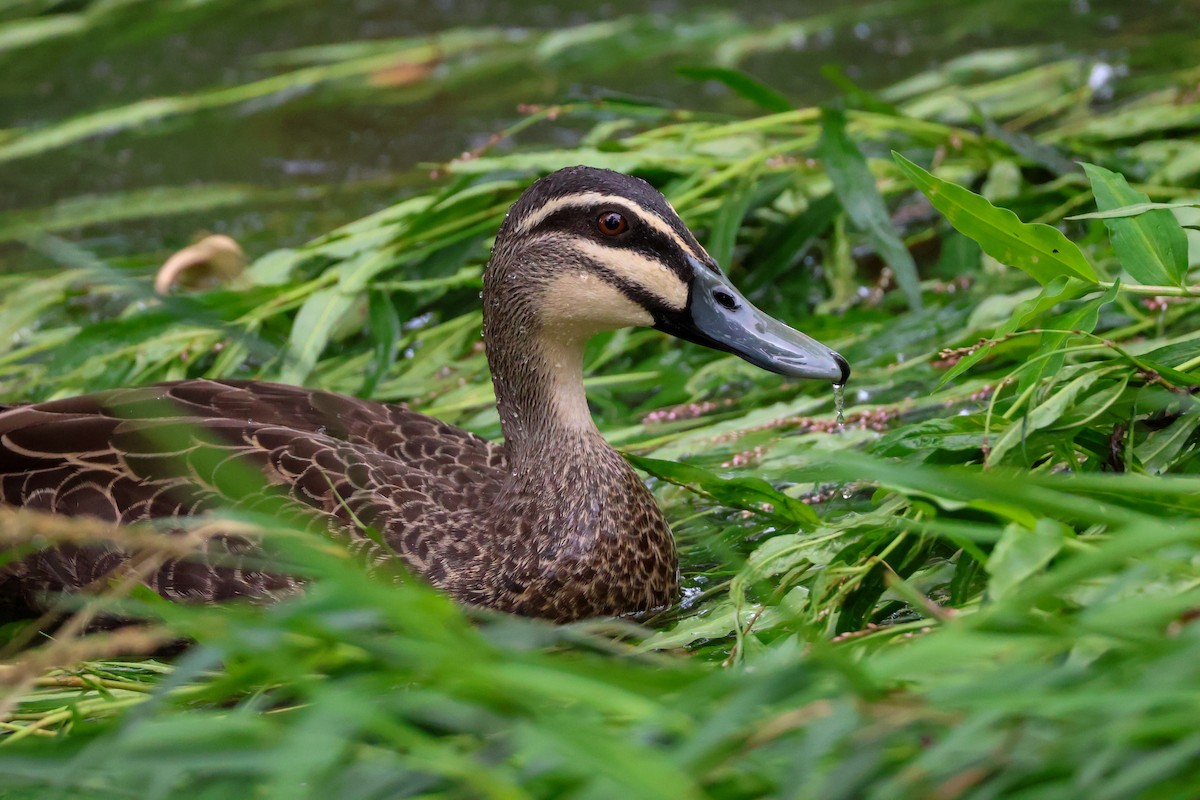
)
(984, 583)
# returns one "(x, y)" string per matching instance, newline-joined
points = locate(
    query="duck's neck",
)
(538, 376)
(573, 528)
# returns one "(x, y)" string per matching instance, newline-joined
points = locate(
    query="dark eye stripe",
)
(647, 280)
(641, 238)
(574, 217)
(668, 224)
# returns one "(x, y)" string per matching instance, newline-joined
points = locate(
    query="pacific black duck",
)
(551, 523)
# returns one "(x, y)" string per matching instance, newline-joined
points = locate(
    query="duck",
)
(550, 522)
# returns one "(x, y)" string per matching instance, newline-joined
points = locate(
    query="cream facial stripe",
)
(642, 271)
(648, 219)
(579, 305)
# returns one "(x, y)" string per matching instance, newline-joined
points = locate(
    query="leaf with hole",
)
(1041, 251)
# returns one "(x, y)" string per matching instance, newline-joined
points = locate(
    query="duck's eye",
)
(611, 223)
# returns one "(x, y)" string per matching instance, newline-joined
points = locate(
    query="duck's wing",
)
(127, 455)
(180, 449)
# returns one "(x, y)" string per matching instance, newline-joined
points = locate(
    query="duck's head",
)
(585, 250)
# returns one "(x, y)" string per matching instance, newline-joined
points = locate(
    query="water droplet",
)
(689, 595)
(418, 322)
(847, 492)
(839, 402)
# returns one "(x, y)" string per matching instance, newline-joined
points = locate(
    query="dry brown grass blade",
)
(73, 642)
(21, 527)
(19, 675)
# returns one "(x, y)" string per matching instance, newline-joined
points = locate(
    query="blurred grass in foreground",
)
(983, 586)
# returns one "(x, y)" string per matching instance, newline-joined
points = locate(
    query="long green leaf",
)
(727, 223)
(1136, 209)
(744, 85)
(1021, 552)
(1057, 291)
(1152, 247)
(314, 326)
(1043, 415)
(747, 493)
(1083, 319)
(1161, 447)
(1039, 250)
(855, 187)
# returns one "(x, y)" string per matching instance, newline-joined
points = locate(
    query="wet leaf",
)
(953, 434)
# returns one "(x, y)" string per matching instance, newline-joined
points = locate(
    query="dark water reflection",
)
(336, 156)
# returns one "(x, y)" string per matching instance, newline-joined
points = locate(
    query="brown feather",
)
(553, 523)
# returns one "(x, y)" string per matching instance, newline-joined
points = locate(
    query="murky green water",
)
(313, 156)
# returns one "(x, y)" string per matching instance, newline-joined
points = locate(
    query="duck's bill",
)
(718, 316)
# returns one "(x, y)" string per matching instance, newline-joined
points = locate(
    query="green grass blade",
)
(315, 323)
(744, 85)
(1134, 210)
(751, 494)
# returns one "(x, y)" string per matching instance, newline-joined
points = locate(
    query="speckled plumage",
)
(445, 500)
(552, 523)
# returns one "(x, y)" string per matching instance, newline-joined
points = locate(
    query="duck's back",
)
(181, 449)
